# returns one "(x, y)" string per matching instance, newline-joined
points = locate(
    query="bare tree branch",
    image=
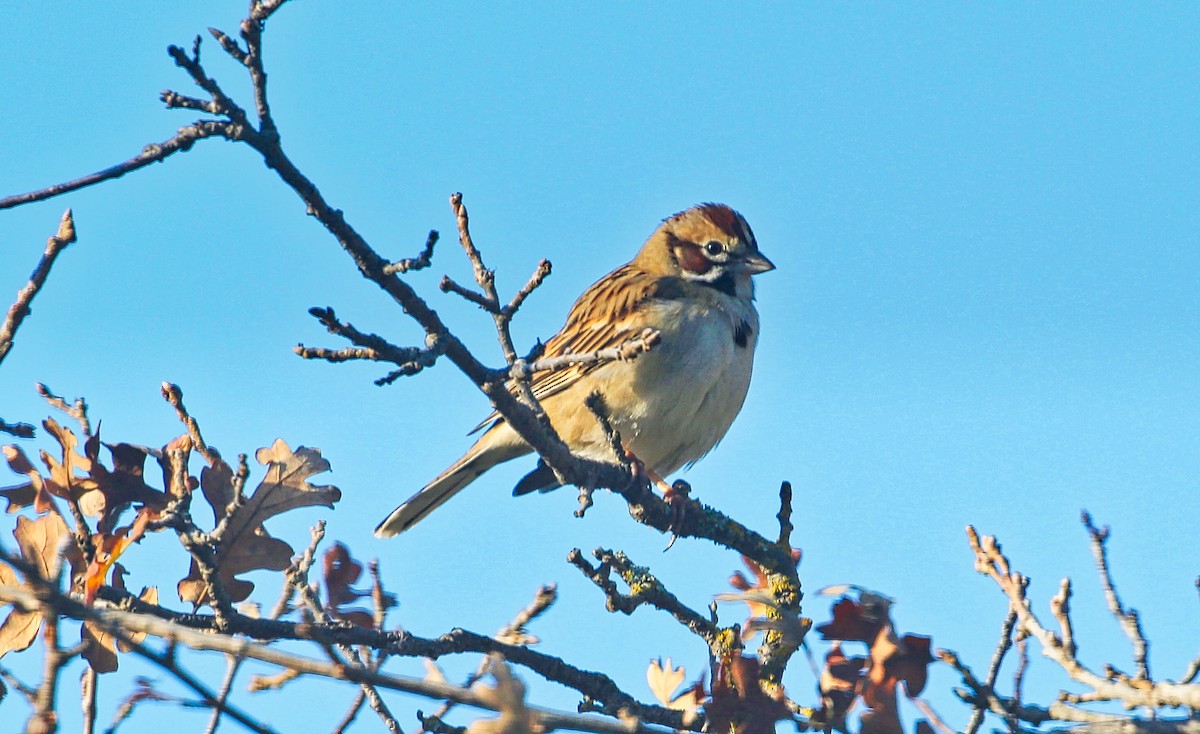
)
(1130, 622)
(990, 561)
(77, 410)
(122, 624)
(183, 140)
(20, 308)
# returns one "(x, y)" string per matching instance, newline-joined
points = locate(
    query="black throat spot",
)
(724, 284)
(741, 335)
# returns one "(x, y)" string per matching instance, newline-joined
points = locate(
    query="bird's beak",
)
(755, 263)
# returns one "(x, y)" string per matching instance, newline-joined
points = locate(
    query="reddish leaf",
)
(850, 623)
(340, 572)
(911, 663)
(739, 704)
(839, 687)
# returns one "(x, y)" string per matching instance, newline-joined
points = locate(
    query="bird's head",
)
(710, 244)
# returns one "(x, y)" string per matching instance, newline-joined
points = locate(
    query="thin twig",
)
(20, 430)
(88, 683)
(628, 349)
(1002, 647)
(183, 140)
(420, 262)
(351, 713)
(512, 633)
(1130, 622)
(644, 588)
(20, 308)
(785, 515)
(76, 410)
(173, 395)
(231, 668)
(539, 276)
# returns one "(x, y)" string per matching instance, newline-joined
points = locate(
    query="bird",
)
(690, 282)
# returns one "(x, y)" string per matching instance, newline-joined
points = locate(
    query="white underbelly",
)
(673, 404)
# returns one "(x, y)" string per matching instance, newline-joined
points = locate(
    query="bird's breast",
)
(674, 403)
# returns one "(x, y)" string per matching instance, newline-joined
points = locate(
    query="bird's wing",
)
(606, 315)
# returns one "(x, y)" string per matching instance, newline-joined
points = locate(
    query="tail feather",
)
(492, 448)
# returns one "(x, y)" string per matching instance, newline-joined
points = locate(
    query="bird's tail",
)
(498, 445)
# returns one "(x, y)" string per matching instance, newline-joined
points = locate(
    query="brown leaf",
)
(108, 548)
(20, 629)
(839, 686)
(850, 622)
(912, 665)
(62, 480)
(509, 697)
(246, 545)
(100, 647)
(38, 541)
(32, 493)
(340, 572)
(123, 484)
(739, 703)
(216, 482)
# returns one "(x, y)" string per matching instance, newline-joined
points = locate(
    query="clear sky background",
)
(986, 221)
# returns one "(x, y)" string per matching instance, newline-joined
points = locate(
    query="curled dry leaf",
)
(100, 647)
(245, 545)
(340, 572)
(109, 547)
(508, 696)
(38, 541)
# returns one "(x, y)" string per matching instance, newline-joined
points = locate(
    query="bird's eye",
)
(714, 248)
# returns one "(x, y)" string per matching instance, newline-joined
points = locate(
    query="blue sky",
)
(985, 311)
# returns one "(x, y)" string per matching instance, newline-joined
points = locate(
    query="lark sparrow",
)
(671, 405)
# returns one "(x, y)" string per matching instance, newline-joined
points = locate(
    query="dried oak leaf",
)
(62, 480)
(245, 544)
(38, 541)
(124, 484)
(739, 704)
(34, 492)
(109, 547)
(340, 572)
(852, 622)
(508, 697)
(100, 647)
(839, 687)
(895, 659)
(663, 680)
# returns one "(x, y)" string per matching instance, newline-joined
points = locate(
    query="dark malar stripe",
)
(724, 283)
